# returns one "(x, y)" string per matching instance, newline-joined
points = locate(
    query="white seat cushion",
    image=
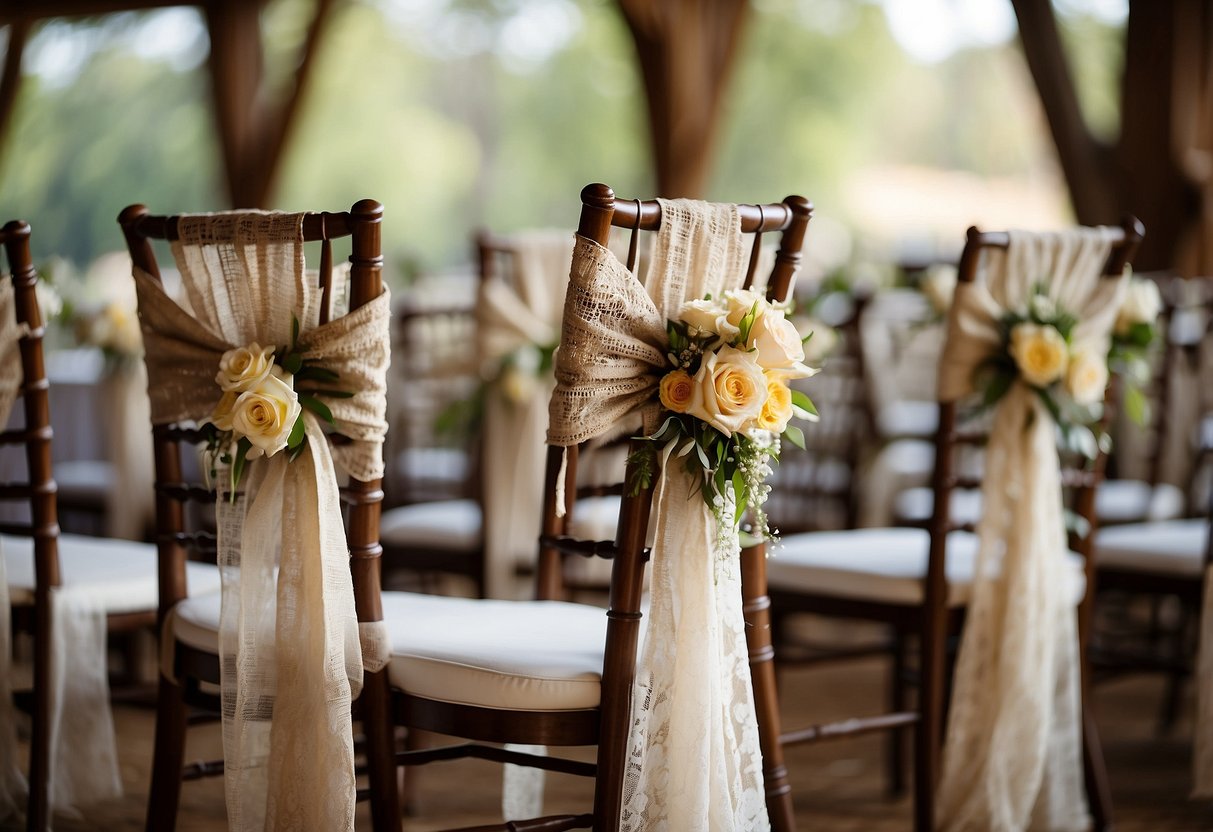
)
(595, 518)
(1116, 501)
(122, 573)
(1175, 547)
(516, 655)
(883, 565)
(1130, 501)
(443, 524)
(908, 419)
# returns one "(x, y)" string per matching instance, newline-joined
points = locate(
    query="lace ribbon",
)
(292, 653)
(693, 755)
(1013, 750)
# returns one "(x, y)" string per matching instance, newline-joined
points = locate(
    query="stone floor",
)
(838, 786)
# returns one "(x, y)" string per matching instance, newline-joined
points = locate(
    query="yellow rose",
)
(1040, 352)
(1087, 378)
(245, 367)
(222, 415)
(265, 415)
(729, 390)
(675, 391)
(777, 411)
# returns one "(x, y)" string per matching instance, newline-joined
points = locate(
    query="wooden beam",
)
(10, 78)
(687, 50)
(1086, 162)
(237, 68)
(280, 130)
(30, 11)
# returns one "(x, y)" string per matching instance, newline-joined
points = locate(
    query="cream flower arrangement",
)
(727, 400)
(260, 413)
(1133, 335)
(1070, 377)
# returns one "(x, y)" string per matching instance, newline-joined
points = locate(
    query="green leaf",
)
(332, 394)
(1137, 406)
(294, 333)
(1076, 524)
(318, 407)
(794, 435)
(802, 401)
(311, 372)
(237, 469)
(749, 540)
(297, 433)
(292, 362)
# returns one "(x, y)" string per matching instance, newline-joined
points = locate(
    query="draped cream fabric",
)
(131, 503)
(83, 754)
(12, 781)
(290, 653)
(518, 318)
(693, 755)
(1013, 750)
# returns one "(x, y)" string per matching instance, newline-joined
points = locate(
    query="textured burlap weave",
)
(291, 650)
(693, 755)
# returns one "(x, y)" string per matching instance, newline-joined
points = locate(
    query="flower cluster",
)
(1069, 377)
(728, 397)
(260, 413)
(1132, 336)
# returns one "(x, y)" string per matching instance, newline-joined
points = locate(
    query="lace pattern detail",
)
(291, 648)
(1013, 753)
(694, 761)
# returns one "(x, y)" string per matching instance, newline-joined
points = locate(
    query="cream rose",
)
(265, 415)
(1040, 352)
(675, 391)
(1141, 305)
(729, 390)
(777, 410)
(708, 317)
(741, 301)
(939, 286)
(777, 341)
(1087, 376)
(222, 415)
(245, 367)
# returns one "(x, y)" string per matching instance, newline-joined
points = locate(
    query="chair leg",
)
(896, 742)
(929, 734)
(757, 610)
(380, 733)
(168, 758)
(1099, 792)
(38, 807)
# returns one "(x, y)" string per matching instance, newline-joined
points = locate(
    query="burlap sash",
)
(693, 756)
(1013, 750)
(292, 653)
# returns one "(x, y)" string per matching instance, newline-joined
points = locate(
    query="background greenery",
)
(459, 114)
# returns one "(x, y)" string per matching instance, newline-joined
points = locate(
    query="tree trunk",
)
(687, 50)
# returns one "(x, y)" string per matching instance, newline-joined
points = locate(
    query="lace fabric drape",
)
(83, 760)
(1013, 750)
(512, 316)
(693, 755)
(292, 653)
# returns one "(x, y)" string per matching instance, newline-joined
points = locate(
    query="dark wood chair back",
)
(178, 539)
(601, 212)
(38, 492)
(958, 434)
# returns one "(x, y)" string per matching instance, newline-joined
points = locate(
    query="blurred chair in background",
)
(920, 583)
